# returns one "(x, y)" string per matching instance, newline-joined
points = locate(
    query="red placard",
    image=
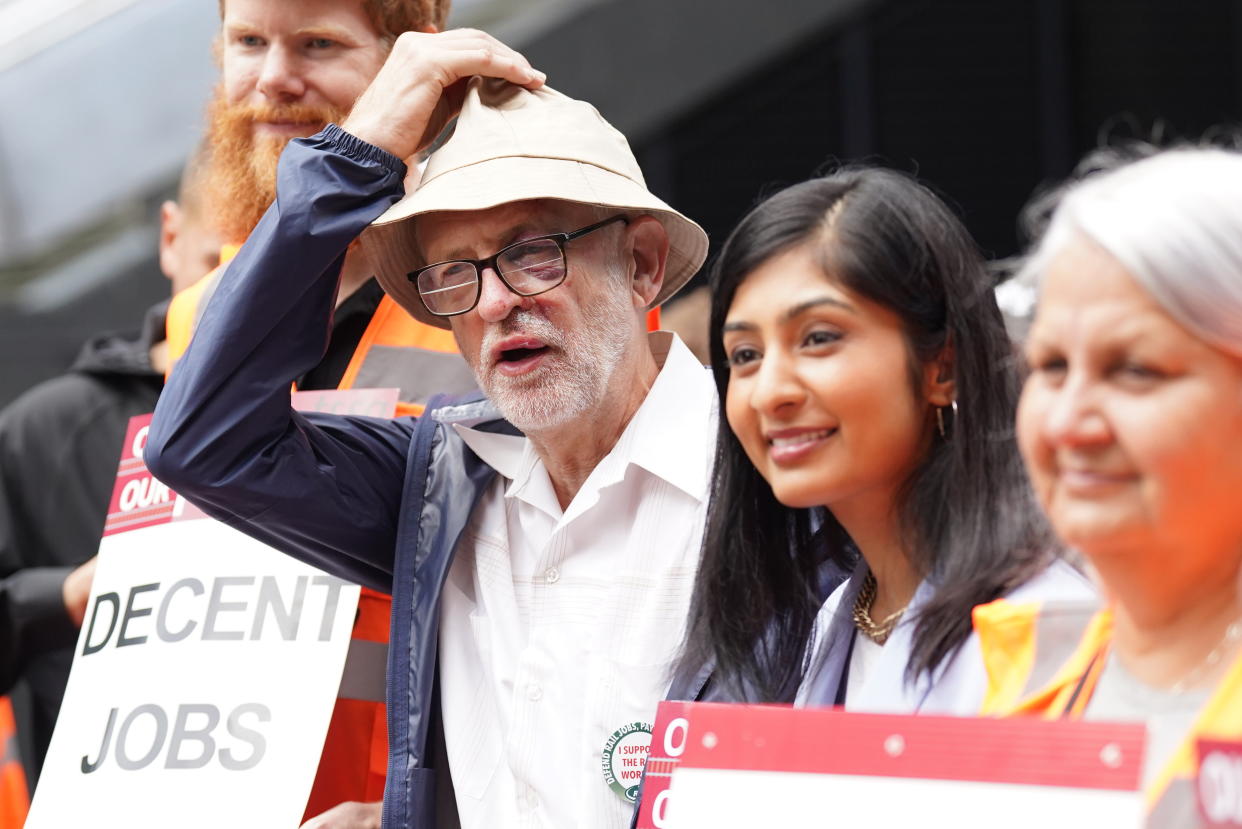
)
(140, 500)
(668, 741)
(1219, 785)
(1020, 750)
(744, 767)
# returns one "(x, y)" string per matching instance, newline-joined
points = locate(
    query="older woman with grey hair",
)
(1130, 424)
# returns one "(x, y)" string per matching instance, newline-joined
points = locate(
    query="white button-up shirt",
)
(559, 628)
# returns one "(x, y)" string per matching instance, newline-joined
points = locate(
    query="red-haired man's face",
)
(288, 68)
(314, 53)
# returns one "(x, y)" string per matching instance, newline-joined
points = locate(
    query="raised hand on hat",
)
(421, 86)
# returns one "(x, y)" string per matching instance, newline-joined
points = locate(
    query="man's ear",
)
(648, 247)
(939, 377)
(170, 228)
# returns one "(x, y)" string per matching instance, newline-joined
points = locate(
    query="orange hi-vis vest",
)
(1046, 660)
(14, 797)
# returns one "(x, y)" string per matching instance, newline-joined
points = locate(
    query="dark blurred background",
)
(723, 101)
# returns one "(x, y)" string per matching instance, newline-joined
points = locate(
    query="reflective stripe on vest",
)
(1171, 797)
(14, 798)
(1028, 647)
(366, 666)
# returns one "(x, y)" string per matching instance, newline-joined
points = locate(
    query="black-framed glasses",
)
(527, 268)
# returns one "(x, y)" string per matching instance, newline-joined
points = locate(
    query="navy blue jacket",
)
(379, 502)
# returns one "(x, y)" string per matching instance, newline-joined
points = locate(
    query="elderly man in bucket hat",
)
(540, 543)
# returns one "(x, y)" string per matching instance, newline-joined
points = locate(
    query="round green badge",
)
(624, 756)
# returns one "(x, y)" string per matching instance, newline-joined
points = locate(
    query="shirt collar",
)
(671, 435)
(499, 451)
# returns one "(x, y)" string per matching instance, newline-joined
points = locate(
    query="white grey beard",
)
(548, 403)
(583, 364)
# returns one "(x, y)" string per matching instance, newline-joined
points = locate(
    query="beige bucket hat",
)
(512, 144)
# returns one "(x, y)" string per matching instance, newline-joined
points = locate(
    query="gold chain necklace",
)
(877, 632)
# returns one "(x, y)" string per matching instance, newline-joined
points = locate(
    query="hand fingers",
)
(509, 67)
(511, 62)
(465, 52)
(412, 97)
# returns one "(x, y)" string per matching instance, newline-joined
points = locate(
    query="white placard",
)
(202, 685)
(719, 799)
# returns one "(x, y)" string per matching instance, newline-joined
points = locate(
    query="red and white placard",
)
(140, 500)
(206, 671)
(668, 743)
(761, 766)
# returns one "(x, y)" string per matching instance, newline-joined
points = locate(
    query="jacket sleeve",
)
(33, 619)
(323, 489)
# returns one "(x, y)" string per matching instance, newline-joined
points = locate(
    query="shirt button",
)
(534, 692)
(552, 575)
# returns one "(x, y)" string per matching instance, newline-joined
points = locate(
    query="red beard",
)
(241, 182)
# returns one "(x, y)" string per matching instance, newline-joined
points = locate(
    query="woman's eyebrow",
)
(803, 307)
(791, 313)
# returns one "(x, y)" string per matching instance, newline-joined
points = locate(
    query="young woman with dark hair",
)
(869, 387)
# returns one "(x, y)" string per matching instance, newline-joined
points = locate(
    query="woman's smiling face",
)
(821, 392)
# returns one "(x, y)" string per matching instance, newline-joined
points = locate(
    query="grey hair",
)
(1174, 222)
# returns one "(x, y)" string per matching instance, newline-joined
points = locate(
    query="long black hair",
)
(969, 520)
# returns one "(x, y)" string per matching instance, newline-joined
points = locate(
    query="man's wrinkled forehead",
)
(474, 234)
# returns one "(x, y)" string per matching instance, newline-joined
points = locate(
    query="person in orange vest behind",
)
(1130, 424)
(14, 798)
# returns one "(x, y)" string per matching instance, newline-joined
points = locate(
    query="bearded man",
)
(541, 574)
(287, 70)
